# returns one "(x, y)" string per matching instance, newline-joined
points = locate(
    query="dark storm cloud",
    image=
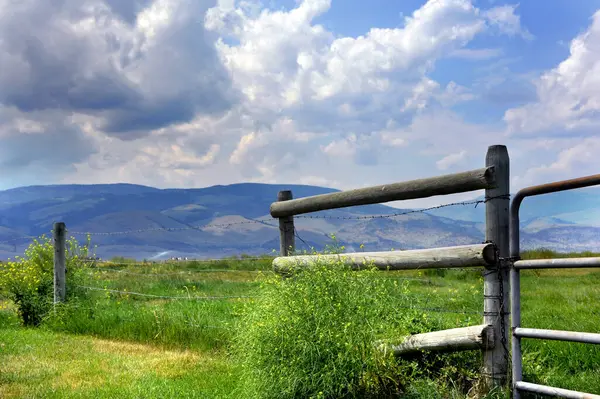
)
(56, 81)
(47, 64)
(60, 145)
(185, 77)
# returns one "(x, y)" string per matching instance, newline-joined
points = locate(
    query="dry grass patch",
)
(165, 363)
(35, 363)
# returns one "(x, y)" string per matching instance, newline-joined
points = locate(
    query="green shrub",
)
(313, 335)
(29, 281)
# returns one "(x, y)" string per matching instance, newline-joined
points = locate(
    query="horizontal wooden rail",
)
(456, 339)
(440, 185)
(434, 258)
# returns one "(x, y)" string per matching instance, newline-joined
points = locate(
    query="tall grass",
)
(196, 325)
(310, 335)
(178, 317)
(313, 336)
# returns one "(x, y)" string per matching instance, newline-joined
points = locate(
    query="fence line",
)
(493, 255)
(265, 221)
(424, 308)
(262, 222)
(183, 273)
(108, 263)
(152, 229)
(442, 310)
(19, 238)
(396, 214)
(420, 308)
(162, 296)
(494, 178)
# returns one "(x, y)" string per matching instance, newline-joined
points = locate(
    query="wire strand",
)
(162, 296)
(265, 221)
(181, 273)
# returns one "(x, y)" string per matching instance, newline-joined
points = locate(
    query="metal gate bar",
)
(570, 263)
(546, 390)
(573, 336)
(515, 292)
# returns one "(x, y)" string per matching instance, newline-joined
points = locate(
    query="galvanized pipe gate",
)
(518, 385)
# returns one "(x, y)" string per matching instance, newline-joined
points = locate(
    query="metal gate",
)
(518, 385)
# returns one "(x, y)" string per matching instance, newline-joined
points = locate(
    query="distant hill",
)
(581, 206)
(233, 219)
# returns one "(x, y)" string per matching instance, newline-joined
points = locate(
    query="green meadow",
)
(232, 329)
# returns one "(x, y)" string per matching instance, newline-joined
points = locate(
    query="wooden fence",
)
(491, 336)
(495, 254)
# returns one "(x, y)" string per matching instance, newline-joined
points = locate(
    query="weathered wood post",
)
(496, 281)
(286, 227)
(60, 289)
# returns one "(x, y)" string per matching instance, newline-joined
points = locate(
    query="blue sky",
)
(342, 94)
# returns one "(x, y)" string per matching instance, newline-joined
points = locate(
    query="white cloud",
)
(451, 160)
(440, 132)
(579, 160)
(292, 100)
(82, 57)
(505, 19)
(337, 92)
(421, 93)
(246, 144)
(341, 148)
(307, 63)
(568, 95)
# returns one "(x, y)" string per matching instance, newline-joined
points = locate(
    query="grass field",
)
(173, 344)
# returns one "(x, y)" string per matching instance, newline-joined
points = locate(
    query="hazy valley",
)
(218, 221)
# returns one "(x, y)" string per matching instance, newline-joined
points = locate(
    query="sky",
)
(342, 94)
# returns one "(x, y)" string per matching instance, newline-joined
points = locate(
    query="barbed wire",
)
(162, 296)
(265, 221)
(441, 310)
(171, 229)
(419, 308)
(182, 273)
(300, 238)
(19, 238)
(107, 263)
(396, 214)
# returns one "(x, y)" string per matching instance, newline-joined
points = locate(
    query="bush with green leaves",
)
(29, 281)
(313, 335)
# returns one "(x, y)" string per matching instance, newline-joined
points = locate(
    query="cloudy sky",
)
(345, 94)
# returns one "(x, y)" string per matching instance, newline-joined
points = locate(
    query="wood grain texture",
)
(287, 243)
(496, 286)
(421, 188)
(60, 260)
(456, 339)
(434, 258)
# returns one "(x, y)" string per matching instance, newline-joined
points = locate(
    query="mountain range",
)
(148, 223)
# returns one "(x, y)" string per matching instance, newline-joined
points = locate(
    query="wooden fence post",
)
(60, 289)
(286, 227)
(496, 283)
